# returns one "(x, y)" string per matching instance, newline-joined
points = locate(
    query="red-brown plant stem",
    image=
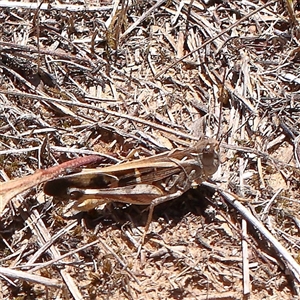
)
(12, 188)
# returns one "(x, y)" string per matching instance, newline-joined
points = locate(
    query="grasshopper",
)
(146, 181)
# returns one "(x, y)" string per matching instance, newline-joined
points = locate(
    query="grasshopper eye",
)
(209, 149)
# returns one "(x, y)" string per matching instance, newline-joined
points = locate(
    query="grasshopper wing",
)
(59, 187)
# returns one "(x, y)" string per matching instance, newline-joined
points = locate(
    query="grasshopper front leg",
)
(155, 202)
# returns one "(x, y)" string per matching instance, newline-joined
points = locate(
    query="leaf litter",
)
(109, 77)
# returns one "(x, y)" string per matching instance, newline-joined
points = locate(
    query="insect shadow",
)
(169, 214)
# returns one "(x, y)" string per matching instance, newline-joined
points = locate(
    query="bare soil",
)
(108, 77)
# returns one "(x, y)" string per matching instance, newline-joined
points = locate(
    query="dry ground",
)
(109, 77)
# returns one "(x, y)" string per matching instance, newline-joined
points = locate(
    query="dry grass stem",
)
(105, 82)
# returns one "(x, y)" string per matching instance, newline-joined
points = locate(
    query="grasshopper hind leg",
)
(154, 203)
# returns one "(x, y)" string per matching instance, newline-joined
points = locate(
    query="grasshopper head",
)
(209, 156)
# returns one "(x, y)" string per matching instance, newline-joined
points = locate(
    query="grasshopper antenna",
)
(223, 98)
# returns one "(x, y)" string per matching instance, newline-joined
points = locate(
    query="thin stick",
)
(142, 18)
(50, 6)
(110, 112)
(30, 277)
(292, 265)
(214, 38)
(10, 189)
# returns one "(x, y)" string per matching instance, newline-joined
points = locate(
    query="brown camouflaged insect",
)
(147, 181)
